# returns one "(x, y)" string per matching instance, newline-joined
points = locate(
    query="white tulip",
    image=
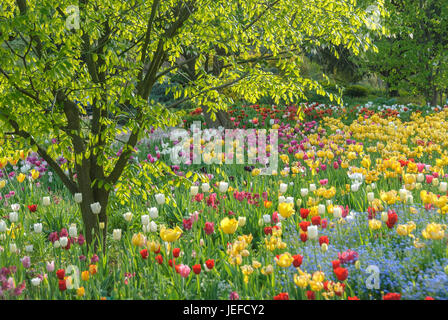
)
(2, 226)
(403, 194)
(96, 207)
(153, 213)
(443, 186)
(153, 226)
(337, 212)
(241, 221)
(384, 216)
(312, 187)
(373, 185)
(15, 207)
(37, 227)
(116, 235)
(36, 282)
(283, 187)
(13, 216)
(160, 198)
(29, 248)
(145, 228)
(355, 187)
(267, 218)
(321, 209)
(73, 231)
(194, 190)
(223, 186)
(420, 177)
(304, 192)
(370, 196)
(57, 244)
(78, 197)
(12, 248)
(63, 242)
(145, 220)
(46, 201)
(127, 216)
(205, 187)
(312, 232)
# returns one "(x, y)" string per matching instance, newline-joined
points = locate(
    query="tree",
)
(415, 54)
(116, 51)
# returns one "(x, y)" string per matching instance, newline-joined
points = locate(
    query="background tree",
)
(414, 56)
(123, 48)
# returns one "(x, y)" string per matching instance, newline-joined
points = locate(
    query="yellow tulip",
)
(229, 226)
(138, 239)
(170, 235)
(2, 184)
(35, 174)
(286, 209)
(285, 260)
(80, 292)
(21, 177)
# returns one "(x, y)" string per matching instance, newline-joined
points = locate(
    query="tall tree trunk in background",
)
(222, 117)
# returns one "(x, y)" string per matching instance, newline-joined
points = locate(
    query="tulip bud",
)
(13, 216)
(303, 192)
(116, 235)
(95, 207)
(299, 202)
(420, 177)
(266, 218)
(435, 182)
(283, 187)
(78, 197)
(37, 227)
(63, 242)
(241, 221)
(101, 225)
(153, 226)
(384, 216)
(321, 209)
(2, 226)
(223, 186)
(12, 248)
(205, 187)
(73, 231)
(403, 194)
(337, 212)
(46, 201)
(324, 247)
(153, 213)
(160, 198)
(370, 196)
(127, 216)
(145, 220)
(312, 232)
(194, 190)
(35, 282)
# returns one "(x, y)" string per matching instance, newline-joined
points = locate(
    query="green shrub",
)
(357, 91)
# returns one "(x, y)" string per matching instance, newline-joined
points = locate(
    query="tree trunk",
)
(434, 98)
(94, 235)
(222, 120)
